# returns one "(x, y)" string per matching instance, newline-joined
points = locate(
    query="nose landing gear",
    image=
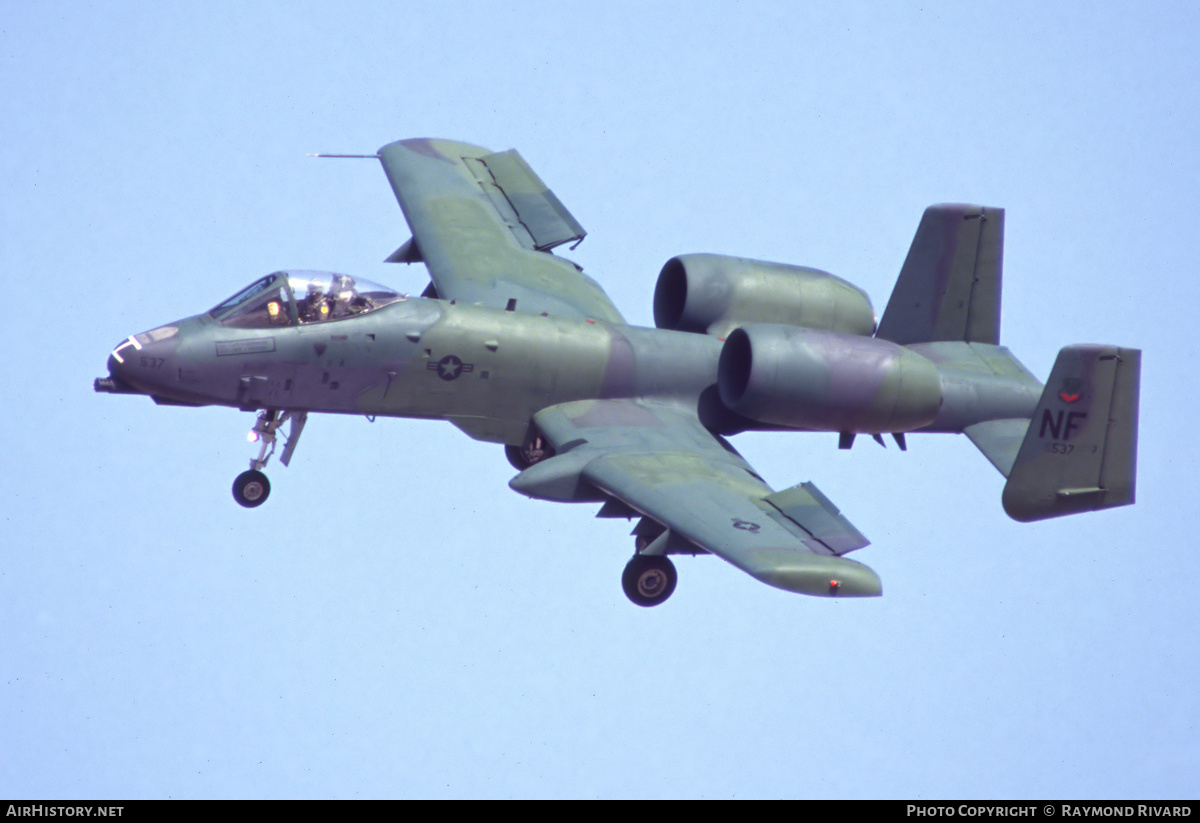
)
(251, 488)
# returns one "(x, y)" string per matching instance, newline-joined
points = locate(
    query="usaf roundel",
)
(450, 367)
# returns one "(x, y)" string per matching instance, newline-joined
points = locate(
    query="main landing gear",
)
(649, 579)
(535, 449)
(251, 488)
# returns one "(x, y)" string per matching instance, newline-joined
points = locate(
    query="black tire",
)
(251, 488)
(649, 579)
(535, 450)
(516, 458)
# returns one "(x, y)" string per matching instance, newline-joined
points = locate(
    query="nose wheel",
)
(251, 488)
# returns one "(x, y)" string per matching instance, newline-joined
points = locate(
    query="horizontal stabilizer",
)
(1080, 452)
(949, 287)
(999, 440)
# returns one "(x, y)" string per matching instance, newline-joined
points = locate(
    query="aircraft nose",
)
(124, 358)
(141, 361)
(117, 381)
(116, 365)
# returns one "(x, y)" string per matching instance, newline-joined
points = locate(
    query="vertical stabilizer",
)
(949, 287)
(1080, 452)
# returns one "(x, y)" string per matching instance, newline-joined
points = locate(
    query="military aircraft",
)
(516, 345)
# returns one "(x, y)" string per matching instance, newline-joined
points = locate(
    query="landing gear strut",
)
(649, 579)
(251, 488)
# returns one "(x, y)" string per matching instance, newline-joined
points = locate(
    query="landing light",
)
(252, 436)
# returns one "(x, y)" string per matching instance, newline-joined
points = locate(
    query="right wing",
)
(661, 462)
(484, 224)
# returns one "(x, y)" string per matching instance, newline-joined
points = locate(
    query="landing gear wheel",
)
(535, 449)
(516, 459)
(649, 579)
(251, 488)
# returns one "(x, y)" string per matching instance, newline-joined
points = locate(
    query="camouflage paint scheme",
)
(515, 345)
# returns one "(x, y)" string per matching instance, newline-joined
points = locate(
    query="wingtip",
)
(822, 576)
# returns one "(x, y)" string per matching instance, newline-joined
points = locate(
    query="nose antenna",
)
(363, 156)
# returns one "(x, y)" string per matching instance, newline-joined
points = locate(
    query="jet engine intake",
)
(714, 294)
(825, 381)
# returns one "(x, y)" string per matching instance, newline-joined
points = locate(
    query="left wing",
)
(484, 224)
(660, 461)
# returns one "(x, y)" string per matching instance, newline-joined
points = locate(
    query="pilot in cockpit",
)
(315, 306)
(275, 313)
(345, 297)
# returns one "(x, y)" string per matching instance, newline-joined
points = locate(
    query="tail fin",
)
(949, 286)
(1080, 452)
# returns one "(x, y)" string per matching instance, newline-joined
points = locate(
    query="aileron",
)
(542, 216)
(805, 506)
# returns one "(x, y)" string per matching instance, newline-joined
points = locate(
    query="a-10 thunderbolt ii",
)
(515, 345)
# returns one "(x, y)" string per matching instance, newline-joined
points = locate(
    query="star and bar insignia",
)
(450, 367)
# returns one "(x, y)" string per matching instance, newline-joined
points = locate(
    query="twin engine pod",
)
(803, 357)
(825, 381)
(714, 294)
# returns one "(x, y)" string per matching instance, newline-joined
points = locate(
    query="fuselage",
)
(312, 342)
(486, 370)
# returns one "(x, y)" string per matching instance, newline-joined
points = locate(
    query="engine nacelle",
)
(714, 294)
(824, 381)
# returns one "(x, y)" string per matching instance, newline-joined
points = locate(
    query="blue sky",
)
(395, 621)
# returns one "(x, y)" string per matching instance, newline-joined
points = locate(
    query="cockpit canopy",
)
(291, 298)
